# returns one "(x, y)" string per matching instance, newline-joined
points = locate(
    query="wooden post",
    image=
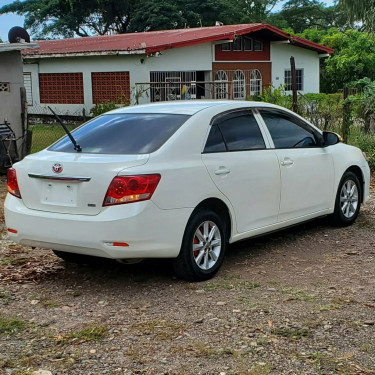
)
(346, 116)
(22, 147)
(294, 84)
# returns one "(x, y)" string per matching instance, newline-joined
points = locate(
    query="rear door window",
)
(235, 132)
(125, 133)
(242, 133)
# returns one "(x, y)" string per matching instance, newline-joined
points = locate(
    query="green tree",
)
(156, 15)
(173, 14)
(51, 18)
(317, 35)
(352, 60)
(303, 14)
(205, 13)
(244, 11)
(362, 11)
(364, 102)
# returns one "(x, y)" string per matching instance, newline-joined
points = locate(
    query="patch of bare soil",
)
(301, 301)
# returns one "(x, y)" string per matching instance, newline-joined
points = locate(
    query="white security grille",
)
(239, 85)
(226, 84)
(28, 87)
(255, 82)
(221, 85)
(172, 86)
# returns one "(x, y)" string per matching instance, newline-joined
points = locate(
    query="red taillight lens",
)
(13, 183)
(128, 189)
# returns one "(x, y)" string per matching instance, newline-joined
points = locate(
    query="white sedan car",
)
(180, 180)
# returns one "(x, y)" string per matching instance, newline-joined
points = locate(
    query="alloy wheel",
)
(206, 245)
(349, 198)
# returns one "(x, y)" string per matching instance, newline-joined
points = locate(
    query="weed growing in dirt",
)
(246, 366)
(338, 303)
(298, 294)
(229, 283)
(13, 261)
(291, 333)
(160, 328)
(51, 304)
(6, 297)
(11, 326)
(201, 349)
(328, 363)
(86, 334)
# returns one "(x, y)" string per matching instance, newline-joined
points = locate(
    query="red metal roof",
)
(156, 41)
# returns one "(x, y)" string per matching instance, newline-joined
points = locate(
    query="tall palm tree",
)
(361, 11)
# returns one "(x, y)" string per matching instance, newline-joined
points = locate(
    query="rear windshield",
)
(131, 133)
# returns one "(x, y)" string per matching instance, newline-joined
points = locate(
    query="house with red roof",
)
(219, 62)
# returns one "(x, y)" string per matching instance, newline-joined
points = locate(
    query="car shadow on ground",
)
(106, 271)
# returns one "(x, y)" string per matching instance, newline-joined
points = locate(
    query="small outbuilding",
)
(13, 108)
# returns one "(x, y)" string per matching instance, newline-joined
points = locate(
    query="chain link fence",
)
(46, 129)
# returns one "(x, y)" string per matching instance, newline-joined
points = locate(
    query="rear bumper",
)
(149, 231)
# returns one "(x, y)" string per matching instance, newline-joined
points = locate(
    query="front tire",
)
(203, 247)
(348, 200)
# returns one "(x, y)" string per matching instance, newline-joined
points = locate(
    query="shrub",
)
(100, 108)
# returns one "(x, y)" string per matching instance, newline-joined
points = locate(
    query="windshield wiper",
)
(77, 147)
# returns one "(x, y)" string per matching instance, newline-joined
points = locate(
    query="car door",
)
(306, 166)
(244, 169)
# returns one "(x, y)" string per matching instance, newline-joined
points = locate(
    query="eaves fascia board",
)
(83, 54)
(6, 47)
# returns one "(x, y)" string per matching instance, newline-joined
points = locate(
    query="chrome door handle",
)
(285, 163)
(222, 171)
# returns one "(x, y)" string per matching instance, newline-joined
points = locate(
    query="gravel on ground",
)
(300, 301)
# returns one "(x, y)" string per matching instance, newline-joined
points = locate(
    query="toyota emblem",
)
(57, 167)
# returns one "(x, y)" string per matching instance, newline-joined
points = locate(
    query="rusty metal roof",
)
(156, 41)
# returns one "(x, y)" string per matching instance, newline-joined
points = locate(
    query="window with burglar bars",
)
(255, 82)
(236, 84)
(165, 86)
(221, 85)
(225, 84)
(239, 85)
(288, 79)
(28, 87)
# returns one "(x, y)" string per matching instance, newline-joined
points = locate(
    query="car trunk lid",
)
(72, 183)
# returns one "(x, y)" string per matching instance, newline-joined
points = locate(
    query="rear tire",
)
(75, 258)
(348, 200)
(203, 247)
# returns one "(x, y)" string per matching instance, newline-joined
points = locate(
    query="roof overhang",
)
(84, 54)
(6, 47)
(157, 41)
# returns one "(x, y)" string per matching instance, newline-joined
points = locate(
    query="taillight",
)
(128, 189)
(13, 183)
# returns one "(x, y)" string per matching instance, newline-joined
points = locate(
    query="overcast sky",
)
(9, 20)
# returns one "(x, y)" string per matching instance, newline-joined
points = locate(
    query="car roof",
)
(188, 107)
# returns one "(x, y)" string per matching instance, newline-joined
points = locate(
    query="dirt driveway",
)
(301, 301)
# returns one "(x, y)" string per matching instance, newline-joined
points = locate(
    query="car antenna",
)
(77, 147)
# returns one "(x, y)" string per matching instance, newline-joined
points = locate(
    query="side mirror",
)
(331, 138)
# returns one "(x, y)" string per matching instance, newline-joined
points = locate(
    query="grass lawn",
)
(45, 135)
